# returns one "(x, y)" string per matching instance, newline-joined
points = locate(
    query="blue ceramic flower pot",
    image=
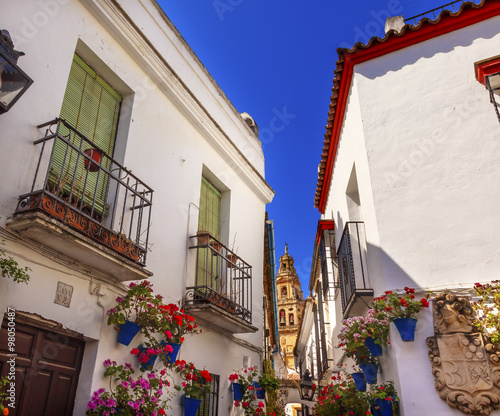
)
(191, 406)
(359, 380)
(172, 356)
(237, 391)
(406, 328)
(128, 331)
(374, 348)
(382, 407)
(259, 392)
(370, 371)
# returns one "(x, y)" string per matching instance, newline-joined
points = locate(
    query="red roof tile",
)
(468, 14)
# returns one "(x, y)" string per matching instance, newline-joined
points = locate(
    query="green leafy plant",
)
(357, 329)
(4, 382)
(135, 305)
(487, 308)
(10, 268)
(341, 398)
(269, 382)
(384, 391)
(195, 383)
(400, 306)
(129, 396)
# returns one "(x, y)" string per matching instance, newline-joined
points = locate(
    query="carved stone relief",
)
(465, 364)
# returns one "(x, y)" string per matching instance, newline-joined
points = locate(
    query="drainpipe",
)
(272, 261)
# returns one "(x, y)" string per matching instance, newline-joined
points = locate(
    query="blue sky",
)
(275, 60)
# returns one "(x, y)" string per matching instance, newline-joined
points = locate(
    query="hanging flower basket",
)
(191, 406)
(172, 356)
(128, 331)
(406, 328)
(260, 393)
(374, 348)
(237, 391)
(382, 407)
(359, 380)
(370, 371)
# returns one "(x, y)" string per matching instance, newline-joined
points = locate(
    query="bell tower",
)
(290, 307)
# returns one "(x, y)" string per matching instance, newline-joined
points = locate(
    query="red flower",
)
(135, 351)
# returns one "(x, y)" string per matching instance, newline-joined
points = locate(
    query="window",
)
(210, 402)
(92, 107)
(283, 292)
(209, 270)
(210, 203)
(291, 320)
(282, 317)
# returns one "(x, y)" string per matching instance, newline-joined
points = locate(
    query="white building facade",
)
(408, 177)
(171, 145)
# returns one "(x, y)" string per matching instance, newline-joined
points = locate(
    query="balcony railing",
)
(353, 272)
(454, 6)
(222, 279)
(78, 184)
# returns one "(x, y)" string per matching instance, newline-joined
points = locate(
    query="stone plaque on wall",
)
(465, 364)
(64, 293)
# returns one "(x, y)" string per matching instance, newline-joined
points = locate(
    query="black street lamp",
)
(306, 387)
(13, 80)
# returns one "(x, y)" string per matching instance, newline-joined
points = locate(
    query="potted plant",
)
(131, 310)
(4, 382)
(371, 331)
(243, 382)
(250, 409)
(384, 399)
(341, 397)
(203, 237)
(487, 307)
(358, 377)
(195, 384)
(402, 310)
(173, 324)
(129, 396)
(268, 382)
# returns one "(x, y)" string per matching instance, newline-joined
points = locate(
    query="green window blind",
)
(92, 107)
(209, 273)
(209, 219)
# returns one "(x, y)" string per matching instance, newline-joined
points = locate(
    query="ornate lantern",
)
(13, 80)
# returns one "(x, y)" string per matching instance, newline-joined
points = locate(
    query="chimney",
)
(395, 22)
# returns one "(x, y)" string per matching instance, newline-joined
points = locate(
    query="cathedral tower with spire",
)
(290, 307)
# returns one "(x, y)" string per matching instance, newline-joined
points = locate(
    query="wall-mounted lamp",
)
(13, 80)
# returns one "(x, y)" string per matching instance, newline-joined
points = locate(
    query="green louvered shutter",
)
(209, 220)
(92, 107)
(210, 199)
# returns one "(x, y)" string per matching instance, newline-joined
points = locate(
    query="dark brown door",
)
(47, 368)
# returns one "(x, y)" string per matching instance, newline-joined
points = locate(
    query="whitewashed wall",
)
(164, 138)
(424, 139)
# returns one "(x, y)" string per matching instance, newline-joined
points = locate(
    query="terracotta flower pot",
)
(95, 155)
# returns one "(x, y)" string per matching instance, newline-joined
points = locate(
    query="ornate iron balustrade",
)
(222, 278)
(77, 183)
(493, 91)
(353, 274)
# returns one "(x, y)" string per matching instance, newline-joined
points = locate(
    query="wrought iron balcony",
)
(353, 272)
(222, 291)
(86, 191)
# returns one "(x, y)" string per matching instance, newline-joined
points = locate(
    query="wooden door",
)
(47, 369)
